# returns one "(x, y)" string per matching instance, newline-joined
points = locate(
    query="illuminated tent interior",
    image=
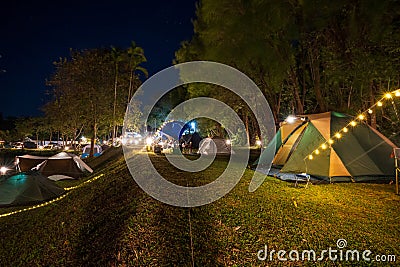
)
(27, 188)
(359, 153)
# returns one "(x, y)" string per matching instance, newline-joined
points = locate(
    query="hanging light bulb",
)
(345, 129)
(388, 95)
(324, 146)
(379, 104)
(353, 123)
(370, 111)
(338, 135)
(397, 93)
(361, 116)
(316, 152)
(310, 157)
(330, 141)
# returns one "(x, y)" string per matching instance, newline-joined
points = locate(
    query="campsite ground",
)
(112, 222)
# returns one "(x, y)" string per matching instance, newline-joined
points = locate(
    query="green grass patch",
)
(112, 222)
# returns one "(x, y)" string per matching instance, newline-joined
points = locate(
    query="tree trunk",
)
(372, 100)
(296, 94)
(115, 102)
(313, 55)
(92, 141)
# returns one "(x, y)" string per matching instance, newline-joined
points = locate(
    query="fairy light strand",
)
(353, 123)
(68, 189)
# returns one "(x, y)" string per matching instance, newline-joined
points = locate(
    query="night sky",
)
(34, 34)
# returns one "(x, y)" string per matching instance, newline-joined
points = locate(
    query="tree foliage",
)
(305, 55)
(91, 88)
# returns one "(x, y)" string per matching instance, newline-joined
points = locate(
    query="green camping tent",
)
(362, 153)
(27, 188)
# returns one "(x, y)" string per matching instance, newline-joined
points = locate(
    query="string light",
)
(53, 200)
(388, 95)
(353, 123)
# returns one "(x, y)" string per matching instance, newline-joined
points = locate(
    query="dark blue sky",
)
(36, 33)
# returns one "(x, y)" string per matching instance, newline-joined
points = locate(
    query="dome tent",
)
(27, 188)
(63, 166)
(363, 154)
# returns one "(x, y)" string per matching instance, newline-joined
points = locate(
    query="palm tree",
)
(136, 57)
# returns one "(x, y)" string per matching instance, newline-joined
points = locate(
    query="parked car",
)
(29, 144)
(17, 145)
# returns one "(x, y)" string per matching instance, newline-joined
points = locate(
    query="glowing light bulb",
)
(316, 152)
(397, 93)
(324, 146)
(370, 111)
(388, 95)
(330, 141)
(379, 104)
(310, 157)
(361, 116)
(3, 170)
(345, 130)
(353, 123)
(338, 135)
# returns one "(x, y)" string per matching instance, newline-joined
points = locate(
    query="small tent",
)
(63, 166)
(97, 150)
(27, 162)
(172, 129)
(27, 188)
(214, 146)
(360, 154)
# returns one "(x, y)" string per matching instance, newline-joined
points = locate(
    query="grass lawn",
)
(112, 222)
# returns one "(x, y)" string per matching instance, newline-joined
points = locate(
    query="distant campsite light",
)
(290, 119)
(3, 170)
(149, 141)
